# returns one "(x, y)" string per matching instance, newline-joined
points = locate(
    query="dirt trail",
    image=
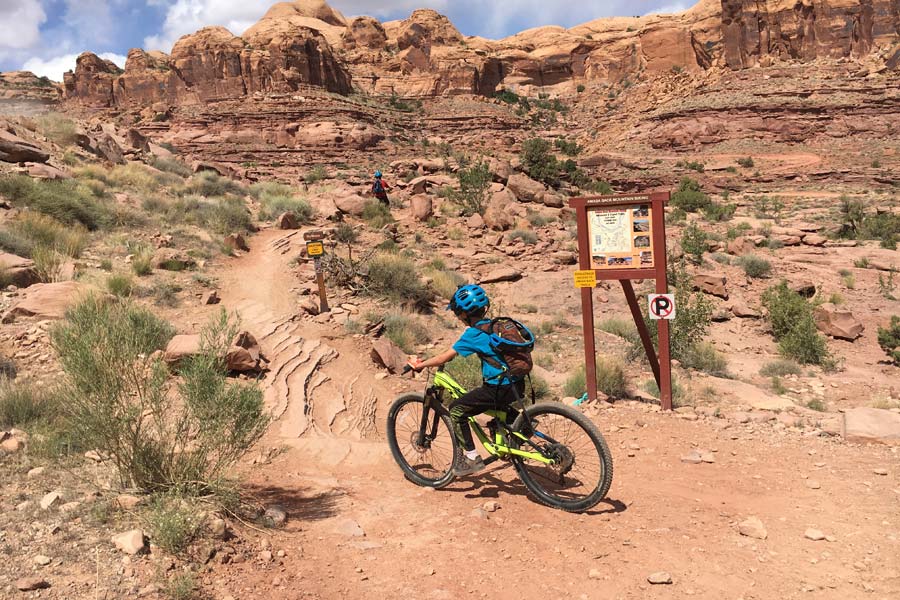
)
(358, 529)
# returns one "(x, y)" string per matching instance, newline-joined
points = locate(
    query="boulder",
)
(740, 308)
(131, 542)
(181, 347)
(741, 246)
(44, 171)
(814, 239)
(287, 220)
(387, 354)
(502, 274)
(243, 355)
(475, 222)
(871, 425)
(211, 297)
(711, 283)
(524, 188)
(500, 169)
(47, 301)
(552, 199)
(351, 204)
(837, 322)
(498, 216)
(137, 140)
(108, 148)
(564, 257)
(169, 259)
(422, 207)
(18, 271)
(14, 149)
(419, 185)
(236, 241)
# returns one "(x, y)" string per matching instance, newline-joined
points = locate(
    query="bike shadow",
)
(300, 504)
(488, 484)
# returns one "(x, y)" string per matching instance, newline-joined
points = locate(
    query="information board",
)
(621, 237)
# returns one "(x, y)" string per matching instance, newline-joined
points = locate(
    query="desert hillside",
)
(179, 418)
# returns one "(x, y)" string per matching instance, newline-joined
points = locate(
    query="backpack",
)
(377, 187)
(513, 343)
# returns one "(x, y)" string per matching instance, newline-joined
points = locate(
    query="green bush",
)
(405, 330)
(694, 242)
(678, 392)
(396, 277)
(173, 523)
(610, 379)
(693, 165)
(376, 214)
(139, 178)
(738, 230)
(142, 264)
(119, 398)
(567, 147)
(507, 96)
(120, 285)
(528, 237)
(66, 200)
(539, 163)
(767, 208)
(23, 404)
(747, 162)
(208, 184)
(704, 357)
(690, 197)
(34, 230)
(474, 184)
(445, 282)
(316, 174)
(219, 215)
(715, 212)
(793, 325)
(692, 319)
(780, 368)
(889, 339)
(171, 165)
(755, 267)
(58, 128)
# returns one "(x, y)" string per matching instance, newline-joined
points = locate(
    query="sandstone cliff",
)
(306, 42)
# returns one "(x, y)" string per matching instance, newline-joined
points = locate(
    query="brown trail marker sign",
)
(315, 248)
(623, 237)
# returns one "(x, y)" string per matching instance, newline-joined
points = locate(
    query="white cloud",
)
(55, 67)
(20, 23)
(669, 9)
(187, 16)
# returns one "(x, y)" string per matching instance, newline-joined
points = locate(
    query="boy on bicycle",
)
(470, 304)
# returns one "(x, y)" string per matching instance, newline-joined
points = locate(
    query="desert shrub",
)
(316, 174)
(119, 398)
(767, 208)
(445, 283)
(507, 96)
(405, 330)
(173, 523)
(754, 266)
(889, 339)
(344, 233)
(58, 128)
(715, 212)
(738, 230)
(138, 177)
(466, 371)
(106, 265)
(690, 197)
(23, 403)
(623, 328)
(747, 162)
(528, 237)
(208, 184)
(33, 230)
(610, 379)
(376, 214)
(269, 188)
(66, 201)
(791, 317)
(226, 215)
(539, 162)
(536, 219)
(780, 368)
(704, 357)
(474, 183)
(694, 242)
(120, 285)
(274, 206)
(580, 88)
(692, 320)
(142, 264)
(171, 165)
(48, 263)
(396, 277)
(181, 585)
(599, 187)
(567, 147)
(679, 394)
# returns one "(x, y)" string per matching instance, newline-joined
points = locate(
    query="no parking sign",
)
(662, 306)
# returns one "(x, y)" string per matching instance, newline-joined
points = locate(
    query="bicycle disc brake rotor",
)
(414, 442)
(563, 458)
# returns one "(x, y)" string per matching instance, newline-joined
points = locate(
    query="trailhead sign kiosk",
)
(623, 237)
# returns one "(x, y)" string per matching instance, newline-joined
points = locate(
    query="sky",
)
(46, 36)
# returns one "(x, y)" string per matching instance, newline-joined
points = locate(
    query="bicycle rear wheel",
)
(426, 456)
(582, 471)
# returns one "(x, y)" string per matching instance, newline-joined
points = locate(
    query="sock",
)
(471, 454)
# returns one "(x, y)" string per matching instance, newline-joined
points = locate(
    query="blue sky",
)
(45, 36)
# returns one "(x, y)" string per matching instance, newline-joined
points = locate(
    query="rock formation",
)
(307, 43)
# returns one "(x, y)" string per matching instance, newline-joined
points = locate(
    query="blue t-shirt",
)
(475, 341)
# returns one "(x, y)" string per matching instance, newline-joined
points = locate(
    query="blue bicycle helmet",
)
(377, 174)
(468, 299)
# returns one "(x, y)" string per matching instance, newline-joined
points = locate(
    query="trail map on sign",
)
(621, 237)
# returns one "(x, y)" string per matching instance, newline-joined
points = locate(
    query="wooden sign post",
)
(315, 248)
(623, 237)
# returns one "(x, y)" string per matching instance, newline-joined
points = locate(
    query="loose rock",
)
(753, 527)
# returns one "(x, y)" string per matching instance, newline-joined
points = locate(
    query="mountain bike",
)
(558, 453)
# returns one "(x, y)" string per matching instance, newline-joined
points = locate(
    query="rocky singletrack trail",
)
(357, 528)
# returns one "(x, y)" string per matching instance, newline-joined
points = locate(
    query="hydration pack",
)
(377, 187)
(513, 343)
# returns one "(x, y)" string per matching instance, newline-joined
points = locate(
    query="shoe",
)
(467, 466)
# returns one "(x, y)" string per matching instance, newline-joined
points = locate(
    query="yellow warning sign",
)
(315, 248)
(585, 279)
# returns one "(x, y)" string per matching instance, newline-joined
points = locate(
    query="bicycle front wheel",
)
(582, 470)
(421, 441)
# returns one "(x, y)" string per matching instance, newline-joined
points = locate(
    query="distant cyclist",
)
(470, 304)
(380, 188)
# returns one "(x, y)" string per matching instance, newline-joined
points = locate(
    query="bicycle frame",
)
(498, 447)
